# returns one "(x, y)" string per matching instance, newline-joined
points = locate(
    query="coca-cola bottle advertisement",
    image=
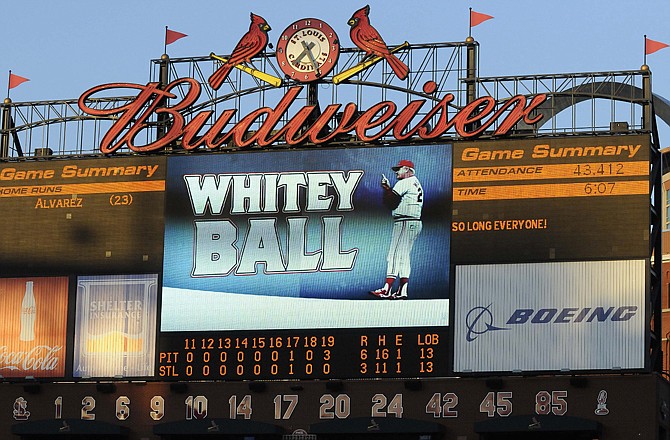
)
(33, 326)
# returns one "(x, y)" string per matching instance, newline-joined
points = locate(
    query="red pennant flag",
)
(651, 46)
(15, 80)
(477, 18)
(172, 36)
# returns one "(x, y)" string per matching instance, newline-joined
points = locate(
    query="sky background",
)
(67, 46)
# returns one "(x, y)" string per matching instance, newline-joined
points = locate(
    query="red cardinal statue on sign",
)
(367, 38)
(249, 46)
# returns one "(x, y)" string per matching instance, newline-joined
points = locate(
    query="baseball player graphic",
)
(405, 200)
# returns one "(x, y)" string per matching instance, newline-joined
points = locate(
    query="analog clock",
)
(307, 50)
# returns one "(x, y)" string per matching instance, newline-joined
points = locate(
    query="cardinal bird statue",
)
(248, 47)
(367, 38)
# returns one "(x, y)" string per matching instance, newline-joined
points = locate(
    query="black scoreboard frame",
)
(479, 174)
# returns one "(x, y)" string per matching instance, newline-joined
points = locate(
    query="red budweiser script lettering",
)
(380, 120)
(38, 358)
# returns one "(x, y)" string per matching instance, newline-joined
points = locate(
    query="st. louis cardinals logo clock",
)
(307, 50)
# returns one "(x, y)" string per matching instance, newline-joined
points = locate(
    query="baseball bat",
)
(272, 80)
(343, 76)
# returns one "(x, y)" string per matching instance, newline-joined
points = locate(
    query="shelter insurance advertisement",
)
(115, 326)
(33, 326)
(298, 239)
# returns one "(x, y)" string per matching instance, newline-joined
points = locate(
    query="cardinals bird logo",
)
(250, 45)
(367, 38)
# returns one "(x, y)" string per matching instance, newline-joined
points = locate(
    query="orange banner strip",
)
(551, 190)
(82, 188)
(587, 170)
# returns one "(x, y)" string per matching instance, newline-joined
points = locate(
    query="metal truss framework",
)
(579, 104)
(61, 128)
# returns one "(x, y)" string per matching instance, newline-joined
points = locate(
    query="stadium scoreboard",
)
(306, 355)
(258, 265)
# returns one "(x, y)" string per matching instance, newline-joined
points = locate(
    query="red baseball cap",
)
(403, 163)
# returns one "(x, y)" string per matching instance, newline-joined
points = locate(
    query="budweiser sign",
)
(306, 125)
(38, 358)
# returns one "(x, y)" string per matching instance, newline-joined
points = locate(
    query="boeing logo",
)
(479, 320)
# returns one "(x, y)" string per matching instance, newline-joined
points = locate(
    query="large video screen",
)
(283, 244)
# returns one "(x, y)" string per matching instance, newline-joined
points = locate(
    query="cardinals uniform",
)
(406, 201)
